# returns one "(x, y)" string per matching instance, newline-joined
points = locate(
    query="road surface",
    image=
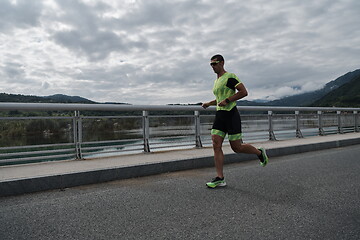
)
(314, 195)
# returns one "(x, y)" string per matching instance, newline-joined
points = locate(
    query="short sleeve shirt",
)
(224, 87)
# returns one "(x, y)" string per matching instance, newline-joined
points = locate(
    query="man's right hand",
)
(205, 105)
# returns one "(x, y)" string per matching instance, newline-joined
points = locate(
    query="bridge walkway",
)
(20, 179)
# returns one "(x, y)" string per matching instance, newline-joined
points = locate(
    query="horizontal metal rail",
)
(38, 146)
(34, 152)
(32, 118)
(36, 159)
(124, 107)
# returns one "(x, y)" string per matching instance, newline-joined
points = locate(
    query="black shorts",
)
(227, 122)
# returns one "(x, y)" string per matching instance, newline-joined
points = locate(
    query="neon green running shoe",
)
(263, 157)
(216, 182)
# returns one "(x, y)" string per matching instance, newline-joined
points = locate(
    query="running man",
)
(227, 90)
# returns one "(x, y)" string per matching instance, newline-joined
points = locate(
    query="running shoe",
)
(263, 157)
(216, 182)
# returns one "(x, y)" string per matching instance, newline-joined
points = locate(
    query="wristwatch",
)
(227, 100)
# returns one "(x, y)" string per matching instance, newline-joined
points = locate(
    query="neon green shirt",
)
(224, 87)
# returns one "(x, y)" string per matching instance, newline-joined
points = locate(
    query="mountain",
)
(347, 95)
(307, 99)
(68, 99)
(58, 98)
(250, 103)
(5, 97)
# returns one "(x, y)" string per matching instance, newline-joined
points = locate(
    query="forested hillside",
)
(57, 98)
(348, 95)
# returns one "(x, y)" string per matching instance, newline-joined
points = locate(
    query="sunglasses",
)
(214, 63)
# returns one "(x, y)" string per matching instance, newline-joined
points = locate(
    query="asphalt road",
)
(313, 195)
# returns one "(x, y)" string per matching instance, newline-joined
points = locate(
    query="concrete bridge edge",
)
(44, 183)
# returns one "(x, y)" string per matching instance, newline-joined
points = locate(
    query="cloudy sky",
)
(158, 51)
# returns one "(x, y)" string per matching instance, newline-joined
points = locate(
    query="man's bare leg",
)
(239, 147)
(218, 154)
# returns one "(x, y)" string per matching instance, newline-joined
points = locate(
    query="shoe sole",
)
(219, 185)
(264, 163)
(263, 152)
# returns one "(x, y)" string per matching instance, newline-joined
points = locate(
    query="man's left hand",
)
(223, 103)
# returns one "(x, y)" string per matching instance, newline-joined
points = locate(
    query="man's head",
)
(217, 57)
(217, 63)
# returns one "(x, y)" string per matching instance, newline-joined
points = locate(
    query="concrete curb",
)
(44, 183)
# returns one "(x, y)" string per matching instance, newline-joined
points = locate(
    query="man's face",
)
(216, 65)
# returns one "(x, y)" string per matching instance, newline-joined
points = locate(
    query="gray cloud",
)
(21, 14)
(96, 47)
(86, 36)
(158, 51)
(13, 72)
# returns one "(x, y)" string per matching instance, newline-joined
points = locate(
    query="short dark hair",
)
(218, 57)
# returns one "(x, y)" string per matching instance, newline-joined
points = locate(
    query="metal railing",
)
(147, 128)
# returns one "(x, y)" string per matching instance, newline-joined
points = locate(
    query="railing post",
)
(320, 123)
(146, 131)
(197, 130)
(271, 130)
(297, 119)
(75, 134)
(356, 121)
(77, 125)
(340, 128)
